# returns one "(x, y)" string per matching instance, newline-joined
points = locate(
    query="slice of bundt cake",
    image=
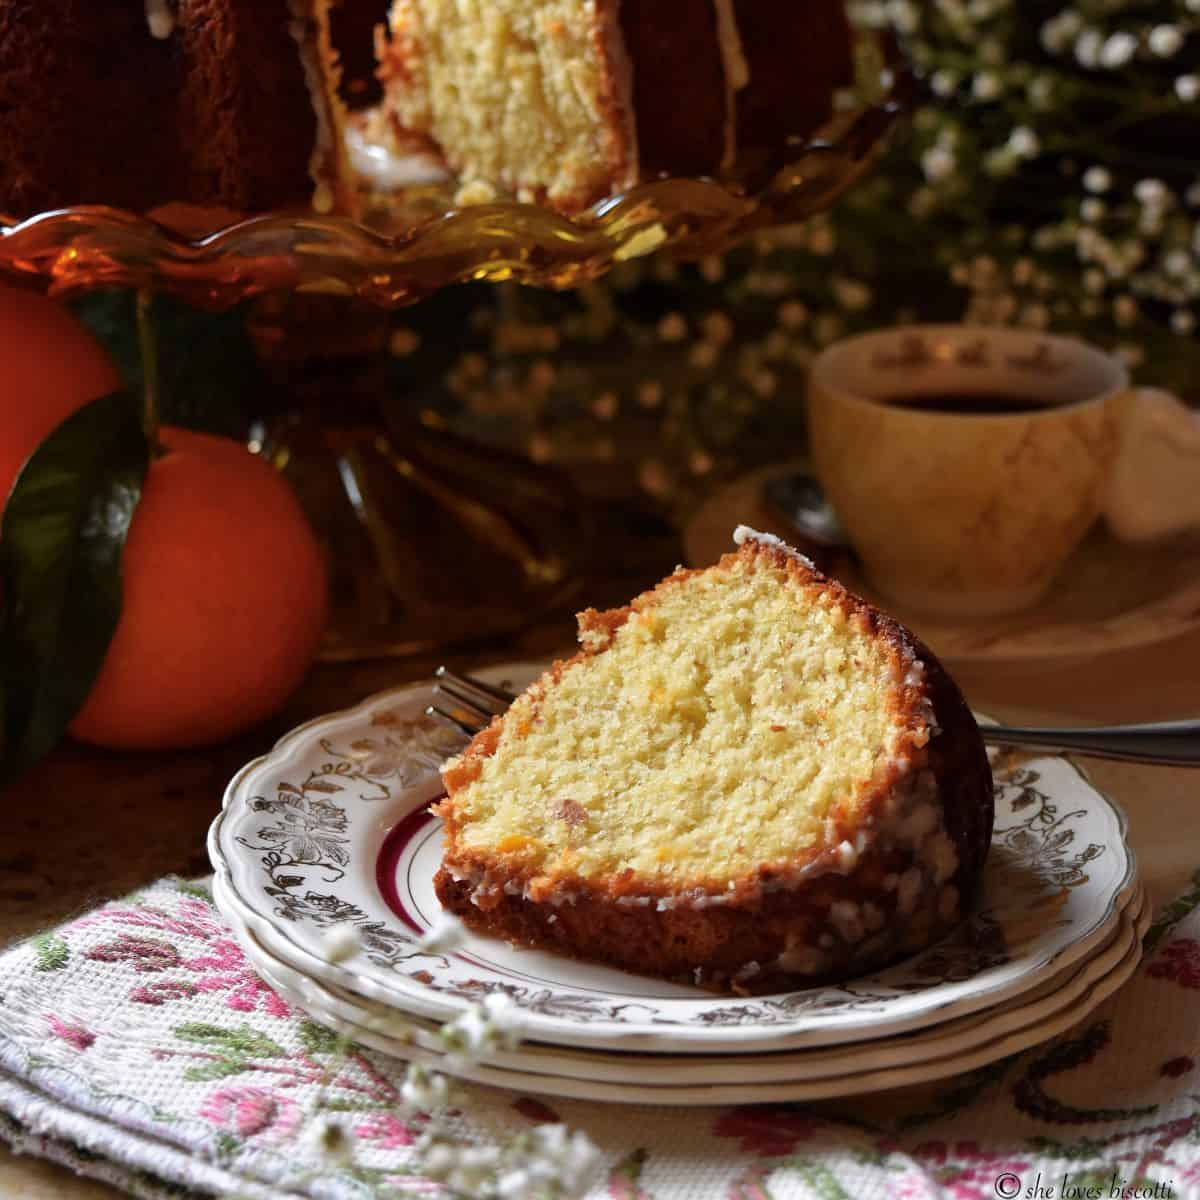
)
(567, 101)
(748, 777)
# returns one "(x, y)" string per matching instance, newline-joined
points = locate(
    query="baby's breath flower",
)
(1023, 142)
(1152, 193)
(423, 1090)
(1182, 322)
(1187, 88)
(1118, 50)
(1097, 179)
(938, 163)
(1165, 40)
(331, 1142)
(986, 86)
(1041, 92)
(482, 1029)
(1058, 32)
(904, 15)
(1177, 263)
(1089, 47)
(446, 934)
(943, 83)
(340, 943)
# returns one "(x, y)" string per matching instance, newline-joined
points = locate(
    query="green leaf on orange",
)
(61, 541)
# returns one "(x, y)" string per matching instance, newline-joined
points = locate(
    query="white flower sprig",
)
(1039, 148)
(549, 1162)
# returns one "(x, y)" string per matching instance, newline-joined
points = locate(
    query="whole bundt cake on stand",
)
(219, 150)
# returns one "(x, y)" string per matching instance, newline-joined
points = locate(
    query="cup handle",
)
(1153, 490)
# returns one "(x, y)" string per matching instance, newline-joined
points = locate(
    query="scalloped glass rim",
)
(427, 243)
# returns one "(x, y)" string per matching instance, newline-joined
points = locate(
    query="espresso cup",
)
(966, 464)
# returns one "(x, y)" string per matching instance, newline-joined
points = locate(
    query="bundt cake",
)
(240, 104)
(139, 103)
(748, 778)
(567, 101)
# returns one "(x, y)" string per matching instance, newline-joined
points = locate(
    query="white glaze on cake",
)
(388, 169)
(743, 534)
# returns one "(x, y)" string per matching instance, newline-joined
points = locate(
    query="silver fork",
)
(1173, 743)
(478, 700)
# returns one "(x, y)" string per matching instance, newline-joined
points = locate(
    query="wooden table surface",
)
(86, 825)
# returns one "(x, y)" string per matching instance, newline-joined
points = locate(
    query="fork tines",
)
(467, 728)
(478, 701)
(500, 698)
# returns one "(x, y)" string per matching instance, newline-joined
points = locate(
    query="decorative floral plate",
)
(755, 1079)
(949, 1039)
(318, 835)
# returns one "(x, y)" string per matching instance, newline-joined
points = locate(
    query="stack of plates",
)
(329, 835)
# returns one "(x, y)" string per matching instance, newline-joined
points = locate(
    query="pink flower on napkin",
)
(71, 1032)
(1178, 961)
(767, 1131)
(385, 1131)
(965, 1170)
(143, 954)
(251, 1111)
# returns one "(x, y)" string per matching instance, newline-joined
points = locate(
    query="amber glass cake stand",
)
(433, 540)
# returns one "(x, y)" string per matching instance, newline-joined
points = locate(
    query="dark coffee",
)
(968, 403)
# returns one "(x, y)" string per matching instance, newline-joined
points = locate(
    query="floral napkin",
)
(137, 1046)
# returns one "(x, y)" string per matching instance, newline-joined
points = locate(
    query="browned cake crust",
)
(887, 887)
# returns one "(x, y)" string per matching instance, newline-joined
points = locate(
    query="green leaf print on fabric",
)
(232, 1050)
(316, 1039)
(1172, 915)
(52, 952)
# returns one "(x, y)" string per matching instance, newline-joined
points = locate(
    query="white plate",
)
(754, 1084)
(954, 1038)
(303, 831)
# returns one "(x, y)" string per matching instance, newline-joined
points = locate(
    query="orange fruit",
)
(50, 365)
(225, 599)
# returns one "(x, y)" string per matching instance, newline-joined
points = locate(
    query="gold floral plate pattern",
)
(330, 832)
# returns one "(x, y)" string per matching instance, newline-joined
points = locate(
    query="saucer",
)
(1107, 596)
(700, 1080)
(330, 833)
(949, 1039)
